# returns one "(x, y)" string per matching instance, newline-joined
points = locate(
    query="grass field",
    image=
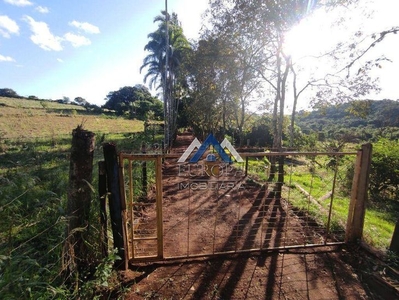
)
(24, 120)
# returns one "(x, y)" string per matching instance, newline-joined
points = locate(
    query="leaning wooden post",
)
(359, 195)
(116, 206)
(394, 246)
(76, 256)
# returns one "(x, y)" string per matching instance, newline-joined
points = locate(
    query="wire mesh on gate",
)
(223, 208)
(239, 210)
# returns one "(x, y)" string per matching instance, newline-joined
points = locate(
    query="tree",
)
(8, 93)
(257, 29)
(134, 101)
(168, 47)
(81, 101)
(206, 112)
(384, 174)
(222, 84)
(260, 28)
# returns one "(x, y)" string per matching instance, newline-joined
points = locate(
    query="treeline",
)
(355, 121)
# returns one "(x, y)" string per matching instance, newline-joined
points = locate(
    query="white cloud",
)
(6, 58)
(42, 36)
(86, 27)
(8, 26)
(19, 2)
(42, 9)
(77, 40)
(60, 60)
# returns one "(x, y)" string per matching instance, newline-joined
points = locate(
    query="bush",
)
(384, 175)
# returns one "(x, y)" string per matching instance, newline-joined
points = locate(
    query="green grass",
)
(317, 180)
(259, 168)
(378, 229)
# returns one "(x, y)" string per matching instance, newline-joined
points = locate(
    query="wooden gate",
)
(141, 190)
(186, 210)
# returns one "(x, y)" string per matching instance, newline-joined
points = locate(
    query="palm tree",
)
(162, 76)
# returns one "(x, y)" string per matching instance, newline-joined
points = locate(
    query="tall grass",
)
(33, 194)
(34, 174)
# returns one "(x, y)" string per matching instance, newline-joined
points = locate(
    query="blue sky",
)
(88, 48)
(81, 48)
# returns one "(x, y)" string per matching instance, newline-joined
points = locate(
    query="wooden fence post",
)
(102, 193)
(357, 206)
(394, 246)
(76, 255)
(116, 207)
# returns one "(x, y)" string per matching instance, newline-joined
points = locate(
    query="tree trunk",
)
(76, 256)
(292, 126)
(276, 137)
(280, 180)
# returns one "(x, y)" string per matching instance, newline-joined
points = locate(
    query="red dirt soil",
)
(329, 272)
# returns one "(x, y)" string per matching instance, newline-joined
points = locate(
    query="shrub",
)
(384, 175)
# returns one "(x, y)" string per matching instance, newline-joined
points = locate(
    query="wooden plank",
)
(158, 175)
(352, 204)
(122, 192)
(257, 154)
(359, 195)
(115, 202)
(130, 206)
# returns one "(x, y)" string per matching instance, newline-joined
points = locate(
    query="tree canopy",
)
(167, 48)
(135, 102)
(242, 56)
(6, 92)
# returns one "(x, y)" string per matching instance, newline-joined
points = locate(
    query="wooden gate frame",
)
(158, 182)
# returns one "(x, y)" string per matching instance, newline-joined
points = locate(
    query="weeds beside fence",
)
(33, 196)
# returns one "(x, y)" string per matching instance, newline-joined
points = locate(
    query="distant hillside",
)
(373, 115)
(25, 119)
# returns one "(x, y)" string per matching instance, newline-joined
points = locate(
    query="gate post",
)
(116, 203)
(158, 175)
(357, 206)
(75, 252)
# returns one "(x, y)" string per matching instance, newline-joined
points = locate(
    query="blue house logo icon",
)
(219, 147)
